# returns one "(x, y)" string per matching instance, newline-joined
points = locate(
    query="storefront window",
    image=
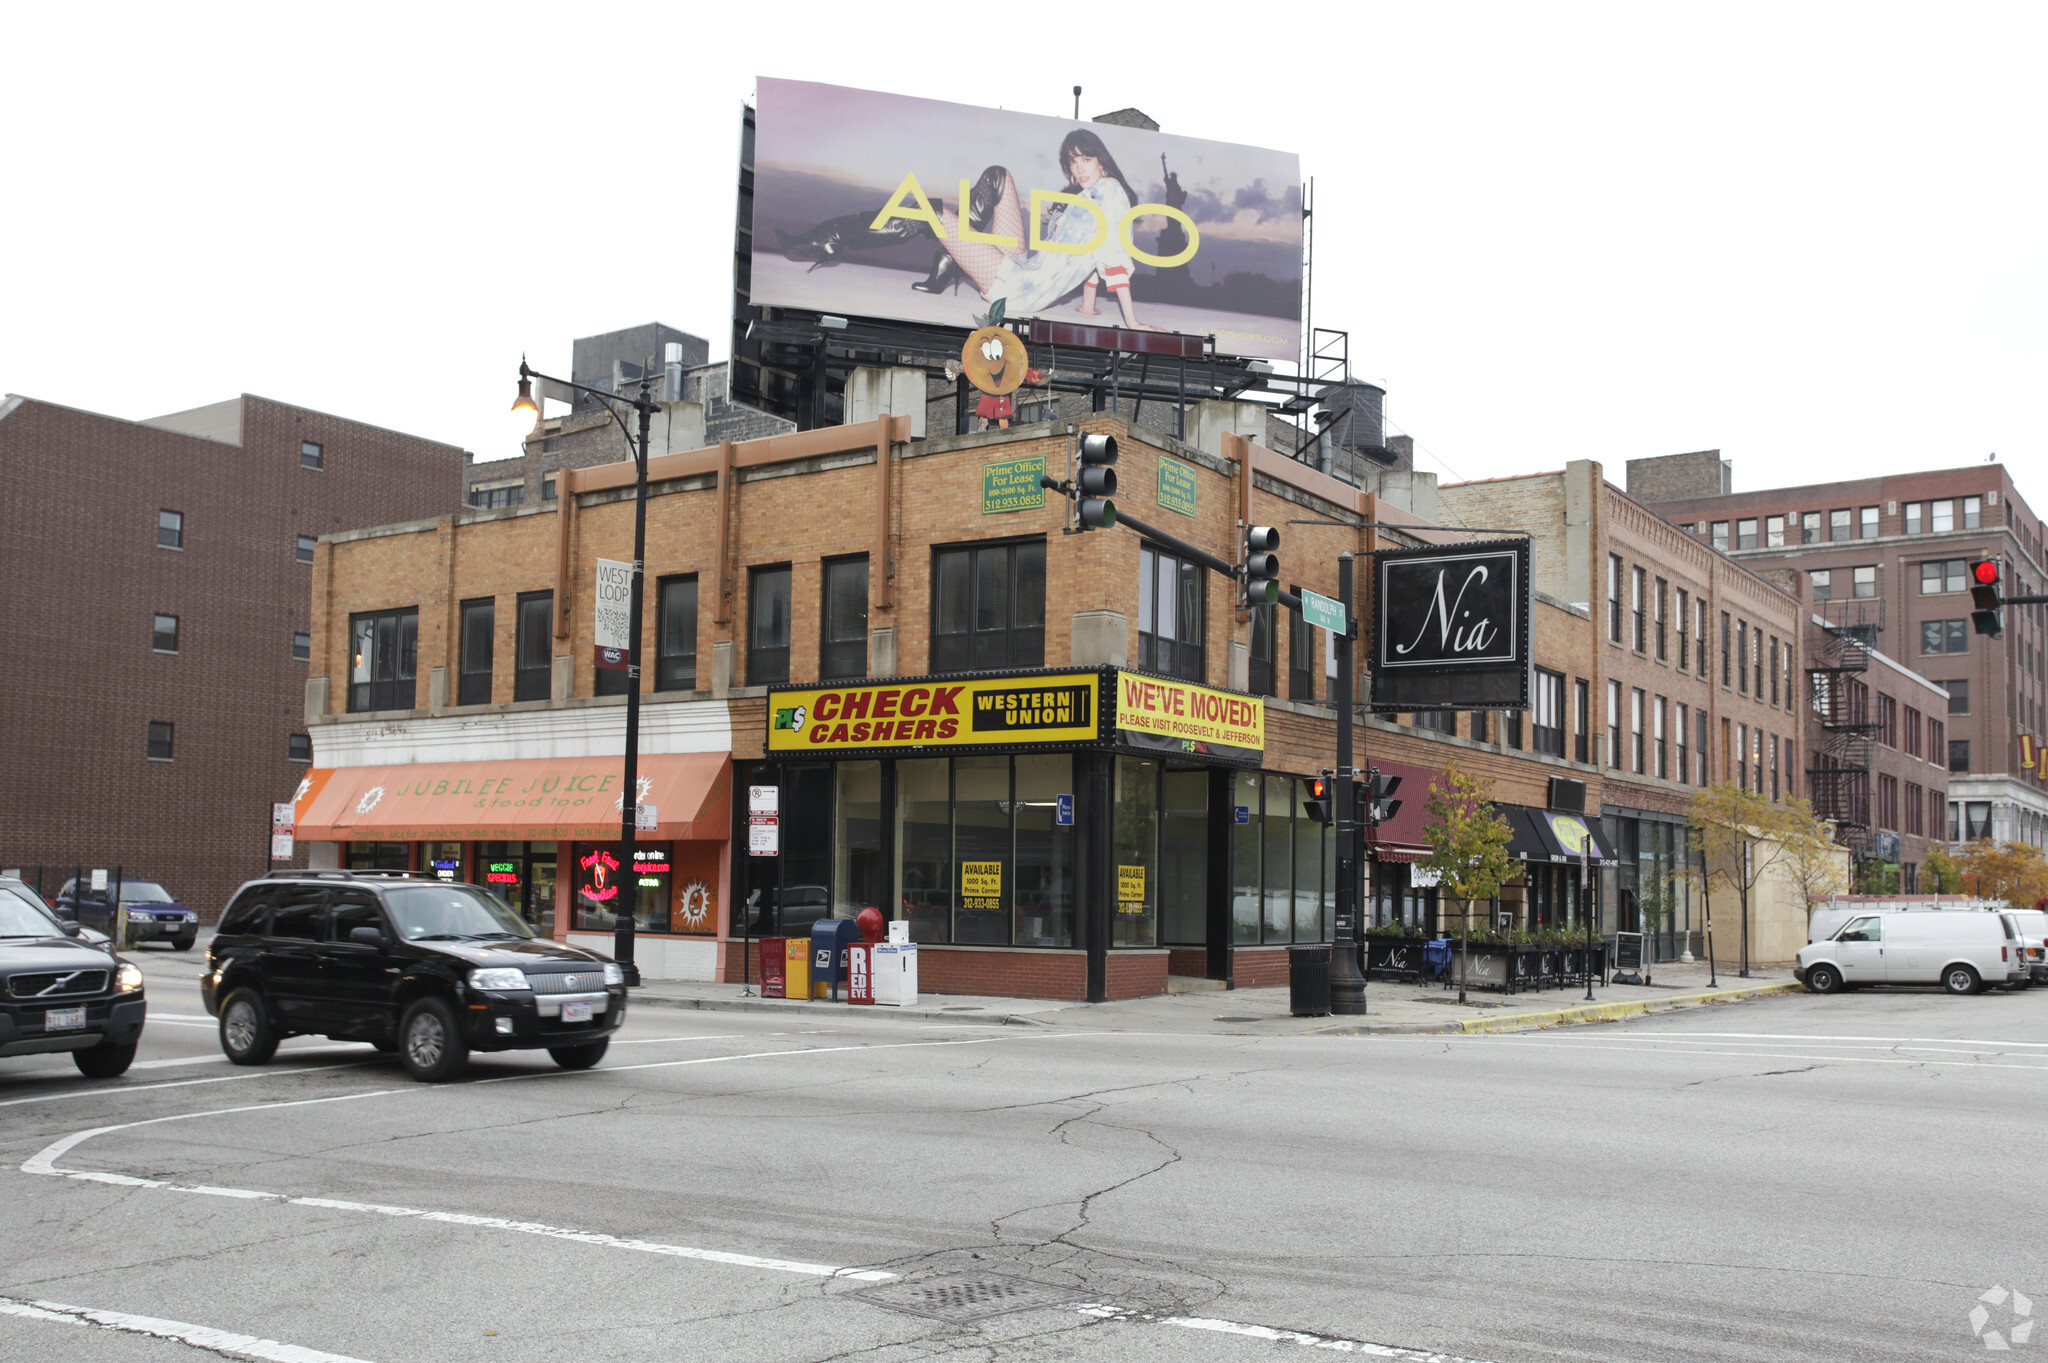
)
(1136, 848)
(523, 875)
(601, 889)
(443, 860)
(1184, 860)
(1278, 879)
(1308, 874)
(1244, 858)
(924, 847)
(981, 849)
(379, 856)
(1044, 903)
(857, 879)
(806, 847)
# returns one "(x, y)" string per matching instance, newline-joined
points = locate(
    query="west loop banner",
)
(1177, 716)
(879, 205)
(1451, 627)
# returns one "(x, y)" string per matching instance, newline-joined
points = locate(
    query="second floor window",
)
(1171, 601)
(768, 625)
(473, 668)
(1944, 636)
(1635, 607)
(383, 650)
(1614, 589)
(1958, 697)
(1939, 577)
(1865, 581)
(1614, 724)
(676, 665)
(1549, 727)
(1663, 603)
(302, 648)
(1264, 623)
(163, 634)
(1582, 705)
(303, 549)
(162, 740)
(170, 530)
(1959, 754)
(1684, 610)
(843, 648)
(533, 647)
(1301, 658)
(988, 606)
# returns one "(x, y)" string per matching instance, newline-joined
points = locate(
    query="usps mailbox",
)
(830, 937)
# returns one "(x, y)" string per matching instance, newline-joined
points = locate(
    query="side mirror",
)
(68, 928)
(369, 937)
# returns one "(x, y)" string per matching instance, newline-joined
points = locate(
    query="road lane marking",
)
(181, 1017)
(1604, 1045)
(287, 1051)
(174, 1084)
(43, 1162)
(1332, 1343)
(208, 1023)
(652, 1040)
(198, 1336)
(1801, 1036)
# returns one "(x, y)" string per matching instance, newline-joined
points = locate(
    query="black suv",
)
(430, 969)
(59, 993)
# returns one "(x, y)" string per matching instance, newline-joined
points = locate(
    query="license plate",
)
(63, 1019)
(571, 1012)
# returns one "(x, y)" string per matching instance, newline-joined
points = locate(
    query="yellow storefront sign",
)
(1130, 889)
(1194, 714)
(981, 886)
(1056, 708)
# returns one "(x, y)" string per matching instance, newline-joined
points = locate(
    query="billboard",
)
(877, 205)
(1450, 628)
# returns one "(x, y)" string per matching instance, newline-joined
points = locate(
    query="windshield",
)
(21, 916)
(144, 892)
(429, 913)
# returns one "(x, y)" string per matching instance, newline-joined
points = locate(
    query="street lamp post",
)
(524, 407)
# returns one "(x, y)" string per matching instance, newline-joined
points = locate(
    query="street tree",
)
(1743, 837)
(1943, 875)
(1468, 842)
(2012, 871)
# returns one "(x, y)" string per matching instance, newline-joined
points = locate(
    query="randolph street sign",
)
(1450, 627)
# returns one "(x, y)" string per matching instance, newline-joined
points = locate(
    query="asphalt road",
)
(1791, 1178)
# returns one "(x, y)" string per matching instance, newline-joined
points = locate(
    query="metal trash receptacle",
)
(1308, 981)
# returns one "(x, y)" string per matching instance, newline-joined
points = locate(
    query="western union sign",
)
(1064, 708)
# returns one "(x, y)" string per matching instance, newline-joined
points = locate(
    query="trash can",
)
(774, 967)
(1308, 981)
(830, 937)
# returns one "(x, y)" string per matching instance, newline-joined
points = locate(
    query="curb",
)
(823, 1008)
(1561, 1017)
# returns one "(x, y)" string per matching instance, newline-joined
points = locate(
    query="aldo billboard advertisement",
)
(878, 205)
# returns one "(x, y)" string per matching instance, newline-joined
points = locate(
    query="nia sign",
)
(1451, 627)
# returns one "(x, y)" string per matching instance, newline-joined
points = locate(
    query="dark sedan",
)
(153, 916)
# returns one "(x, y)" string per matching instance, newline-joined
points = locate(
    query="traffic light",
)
(1988, 617)
(1261, 565)
(1095, 483)
(1317, 805)
(1376, 798)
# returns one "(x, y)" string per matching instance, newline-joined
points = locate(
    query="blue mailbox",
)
(830, 937)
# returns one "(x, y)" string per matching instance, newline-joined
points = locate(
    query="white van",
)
(1962, 952)
(1823, 921)
(2033, 929)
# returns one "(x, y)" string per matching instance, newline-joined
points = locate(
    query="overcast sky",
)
(1811, 236)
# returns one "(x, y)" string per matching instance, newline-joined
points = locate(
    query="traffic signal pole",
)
(1347, 981)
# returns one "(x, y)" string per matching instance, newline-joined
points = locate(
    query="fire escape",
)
(1838, 779)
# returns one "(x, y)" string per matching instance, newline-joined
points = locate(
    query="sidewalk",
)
(1390, 1008)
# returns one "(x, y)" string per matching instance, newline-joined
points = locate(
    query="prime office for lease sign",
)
(1451, 627)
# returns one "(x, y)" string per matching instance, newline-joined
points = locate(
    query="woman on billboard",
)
(1030, 281)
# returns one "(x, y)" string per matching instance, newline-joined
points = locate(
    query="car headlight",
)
(504, 978)
(614, 974)
(128, 978)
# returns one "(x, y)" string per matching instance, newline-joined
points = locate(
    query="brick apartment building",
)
(1888, 557)
(1687, 675)
(157, 576)
(804, 577)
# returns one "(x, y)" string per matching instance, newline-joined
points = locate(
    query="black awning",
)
(1564, 835)
(1528, 842)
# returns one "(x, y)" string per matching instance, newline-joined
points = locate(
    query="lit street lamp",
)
(525, 415)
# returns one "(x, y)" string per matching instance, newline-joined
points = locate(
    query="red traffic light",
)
(1985, 571)
(1318, 788)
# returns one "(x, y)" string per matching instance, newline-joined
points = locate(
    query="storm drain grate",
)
(961, 1298)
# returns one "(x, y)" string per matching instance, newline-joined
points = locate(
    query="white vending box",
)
(896, 973)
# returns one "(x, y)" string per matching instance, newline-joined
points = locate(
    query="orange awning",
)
(521, 801)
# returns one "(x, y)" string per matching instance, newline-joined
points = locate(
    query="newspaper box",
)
(860, 973)
(895, 973)
(774, 967)
(796, 967)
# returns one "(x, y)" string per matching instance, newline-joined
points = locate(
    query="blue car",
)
(152, 914)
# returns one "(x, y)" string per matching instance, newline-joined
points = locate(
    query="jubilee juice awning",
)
(531, 799)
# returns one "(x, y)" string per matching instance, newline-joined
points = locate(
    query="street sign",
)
(1063, 810)
(645, 816)
(764, 835)
(1241, 814)
(284, 815)
(280, 847)
(611, 616)
(763, 799)
(1322, 612)
(99, 878)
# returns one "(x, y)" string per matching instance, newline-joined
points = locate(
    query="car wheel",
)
(1960, 979)
(428, 1043)
(579, 1057)
(105, 1060)
(184, 943)
(1824, 979)
(247, 1036)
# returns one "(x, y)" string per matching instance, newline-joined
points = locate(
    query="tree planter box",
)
(1394, 958)
(1512, 968)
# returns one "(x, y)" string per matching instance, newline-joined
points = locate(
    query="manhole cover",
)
(961, 1298)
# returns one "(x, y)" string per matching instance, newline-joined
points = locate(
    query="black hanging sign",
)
(1450, 627)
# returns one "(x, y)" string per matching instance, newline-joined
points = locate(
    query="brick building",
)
(1888, 557)
(1687, 677)
(157, 576)
(813, 582)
